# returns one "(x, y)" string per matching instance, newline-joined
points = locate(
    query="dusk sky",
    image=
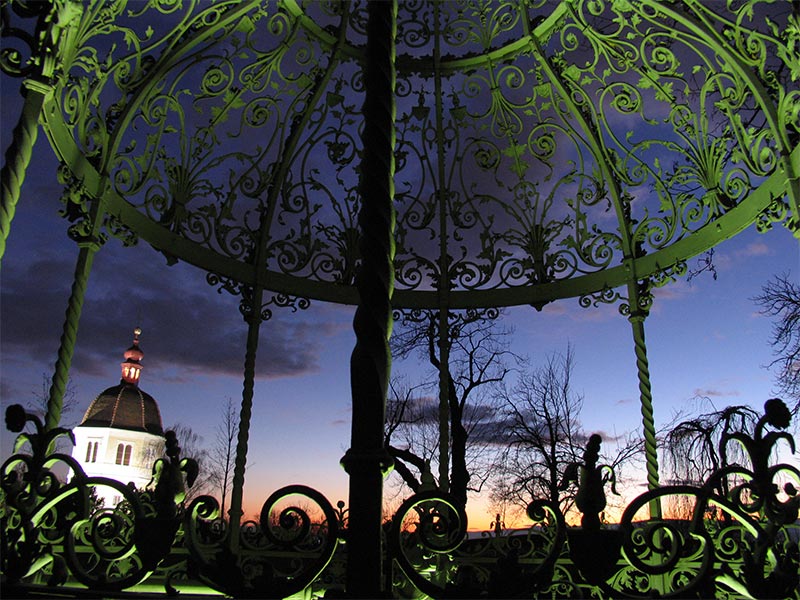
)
(705, 338)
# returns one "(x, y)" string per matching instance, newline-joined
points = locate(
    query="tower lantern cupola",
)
(132, 367)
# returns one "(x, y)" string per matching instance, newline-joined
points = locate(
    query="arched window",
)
(91, 452)
(124, 452)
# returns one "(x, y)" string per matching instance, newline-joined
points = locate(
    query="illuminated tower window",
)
(131, 368)
(91, 452)
(124, 454)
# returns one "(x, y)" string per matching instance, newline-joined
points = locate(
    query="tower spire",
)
(132, 367)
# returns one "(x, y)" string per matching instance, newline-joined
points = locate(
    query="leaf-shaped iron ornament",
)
(167, 483)
(590, 479)
(770, 568)
(594, 551)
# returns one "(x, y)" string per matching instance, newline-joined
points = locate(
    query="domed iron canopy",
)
(544, 150)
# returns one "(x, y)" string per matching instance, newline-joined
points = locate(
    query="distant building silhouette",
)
(121, 433)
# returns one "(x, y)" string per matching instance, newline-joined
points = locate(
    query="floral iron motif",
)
(60, 529)
(760, 494)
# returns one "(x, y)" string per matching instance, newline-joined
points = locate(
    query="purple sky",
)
(705, 338)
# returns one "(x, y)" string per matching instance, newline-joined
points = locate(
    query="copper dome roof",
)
(124, 406)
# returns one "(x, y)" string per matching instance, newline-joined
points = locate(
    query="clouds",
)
(714, 393)
(185, 325)
(33, 302)
(754, 249)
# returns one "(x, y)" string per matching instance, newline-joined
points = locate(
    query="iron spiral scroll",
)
(60, 529)
(281, 555)
(428, 542)
(740, 537)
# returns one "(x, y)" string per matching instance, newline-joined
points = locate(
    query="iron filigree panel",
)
(542, 145)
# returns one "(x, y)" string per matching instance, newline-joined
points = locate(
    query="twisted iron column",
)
(18, 155)
(636, 319)
(253, 319)
(86, 232)
(367, 460)
(69, 335)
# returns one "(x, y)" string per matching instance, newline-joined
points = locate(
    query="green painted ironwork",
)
(530, 124)
(738, 543)
(60, 528)
(243, 435)
(538, 151)
(86, 215)
(39, 59)
(19, 155)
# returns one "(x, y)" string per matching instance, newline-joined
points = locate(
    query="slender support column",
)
(18, 155)
(444, 267)
(69, 335)
(646, 401)
(367, 461)
(444, 401)
(87, 234)
(237, 488)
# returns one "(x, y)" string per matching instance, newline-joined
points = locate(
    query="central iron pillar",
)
(367, 461)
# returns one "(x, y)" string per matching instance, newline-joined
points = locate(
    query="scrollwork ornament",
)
(236, 288)
(654, 548)
(116, 228)
(37, 52)
(776, 212)
(670, 274)
(644, 301)
(280, 300)
(605, 296)
(77, 210)
(456, 320)
(749, 541)
(74, 196)
(63, 526)
(425, 530)
(481, 314)
(223, 283)
(308, 537)
(409, 315)
(27, 479)
(294, 303)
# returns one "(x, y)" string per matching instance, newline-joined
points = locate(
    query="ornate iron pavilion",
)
(444, 156)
